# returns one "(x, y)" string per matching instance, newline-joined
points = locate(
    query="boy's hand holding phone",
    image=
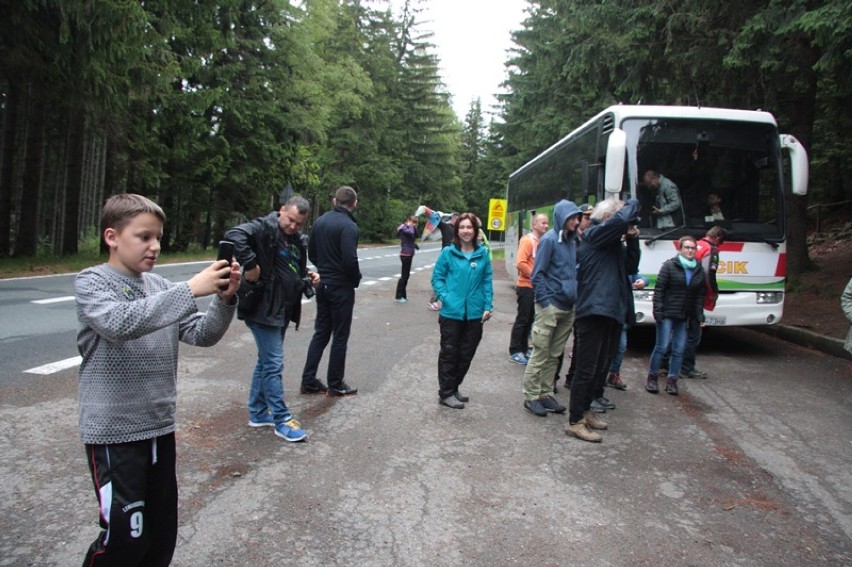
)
(222, 276)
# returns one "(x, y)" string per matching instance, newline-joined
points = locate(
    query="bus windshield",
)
(726, 173)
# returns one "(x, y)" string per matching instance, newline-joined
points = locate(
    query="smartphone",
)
(226, 252)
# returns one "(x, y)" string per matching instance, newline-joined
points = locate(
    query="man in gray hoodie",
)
(554, 282)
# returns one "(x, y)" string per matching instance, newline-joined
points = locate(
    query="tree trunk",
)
(10, 129)
(76, 147)
(110, 186)
(26, 244)
(802, 112)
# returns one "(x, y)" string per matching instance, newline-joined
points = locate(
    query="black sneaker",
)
(536, 407)
(651, 385)
(343, 389)
(461, 398)
(551, 405)
(315, 387)
(671, 386)
(605, 402)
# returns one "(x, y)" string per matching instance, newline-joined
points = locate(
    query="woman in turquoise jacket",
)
(462, 281)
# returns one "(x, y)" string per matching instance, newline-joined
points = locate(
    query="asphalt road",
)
(749, 467)
(38, 334)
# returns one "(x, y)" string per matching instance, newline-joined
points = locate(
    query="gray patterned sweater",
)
(128, 334)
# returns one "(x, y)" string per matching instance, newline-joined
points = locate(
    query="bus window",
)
(726, 173)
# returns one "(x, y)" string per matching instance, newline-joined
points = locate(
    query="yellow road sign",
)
(497, 214)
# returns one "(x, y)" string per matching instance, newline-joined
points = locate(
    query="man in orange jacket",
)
(524, 261)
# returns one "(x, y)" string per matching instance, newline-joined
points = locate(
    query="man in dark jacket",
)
(333, 249)
(604, 300)
(272, 251)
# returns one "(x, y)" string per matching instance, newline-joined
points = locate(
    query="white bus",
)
(730, 156)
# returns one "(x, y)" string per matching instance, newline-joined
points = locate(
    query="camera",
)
(307, 288)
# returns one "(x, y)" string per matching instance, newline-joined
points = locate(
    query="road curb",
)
(828, 345)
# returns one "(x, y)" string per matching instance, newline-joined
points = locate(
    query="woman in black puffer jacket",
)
(678, 296)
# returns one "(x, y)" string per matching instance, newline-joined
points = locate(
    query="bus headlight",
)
(770, 297)
(643, 295)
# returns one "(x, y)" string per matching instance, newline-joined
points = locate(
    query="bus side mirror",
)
(798, 164)
(616, 150)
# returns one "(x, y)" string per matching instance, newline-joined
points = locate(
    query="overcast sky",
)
(471, 38)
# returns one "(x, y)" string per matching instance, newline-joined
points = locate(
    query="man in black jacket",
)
(604, 304)
(333, 249)
(272, 251)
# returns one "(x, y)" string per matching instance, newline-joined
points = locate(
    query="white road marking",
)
(58, 366)
(54, 367)
(53, 300)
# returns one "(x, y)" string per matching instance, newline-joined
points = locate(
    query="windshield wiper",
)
(668, 232)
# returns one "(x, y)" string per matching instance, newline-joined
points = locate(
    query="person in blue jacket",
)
(462, 281)
(554, 280)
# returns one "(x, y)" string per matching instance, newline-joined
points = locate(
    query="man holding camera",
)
(272, 251)
(604, 305)
(333, 249)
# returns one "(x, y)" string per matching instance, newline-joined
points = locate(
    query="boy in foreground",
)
(130, 322)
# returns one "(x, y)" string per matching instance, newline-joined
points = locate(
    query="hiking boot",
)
(597, 407)
(614, 381)
(536, 407)
(651, 385)
(671, 386)
(452, 402)
(264, 420)
(605, 402)
(518, 358)
(461, 398)
(594, 422)
(343, 389)
(694, 374)
(290, 431)
(581, 430)
(315, 387)
(551, 405)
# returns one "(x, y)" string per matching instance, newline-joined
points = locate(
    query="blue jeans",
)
(334, 318)
(669, 332)
(693, 339)
(267, 389)
(690, 349)
(619, 354)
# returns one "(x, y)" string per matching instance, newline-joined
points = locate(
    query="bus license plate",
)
(715, 321)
